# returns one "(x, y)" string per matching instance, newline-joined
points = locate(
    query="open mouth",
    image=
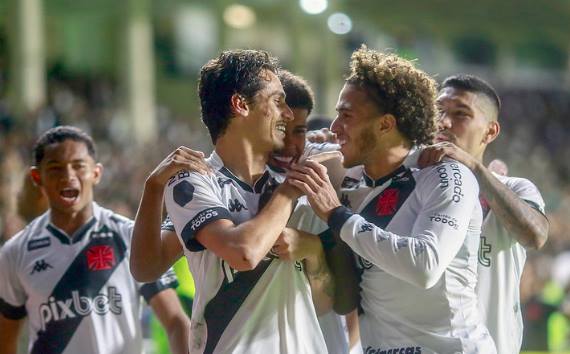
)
(69, 195)
(281, 128)
(282, 161)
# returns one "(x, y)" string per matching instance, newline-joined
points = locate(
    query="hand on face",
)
(182, 158)
(433, 154)
(312, 179)
(323, 135)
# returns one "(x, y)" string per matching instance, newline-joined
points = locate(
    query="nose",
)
(444, 122)
(68, 173)
(335, 126)
(287, 114)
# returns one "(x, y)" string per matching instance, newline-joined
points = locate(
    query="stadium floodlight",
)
(239, 16)
(314, 7)
(339, 23)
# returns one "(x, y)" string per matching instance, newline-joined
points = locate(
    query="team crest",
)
(388, 201)
(100, 258)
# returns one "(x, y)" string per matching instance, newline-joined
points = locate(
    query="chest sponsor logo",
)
(484, 250)
(39, 243)
(80, 306)
(100, 258)
(236, 206)
(40, 266)
(388, 202)
(402, 350)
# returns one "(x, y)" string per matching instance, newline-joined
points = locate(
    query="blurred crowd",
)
(533, 143)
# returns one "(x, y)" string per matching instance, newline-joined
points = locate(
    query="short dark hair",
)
(232, 72)
(397, 88)
(298, 93)
(473, 84)
(59, 135)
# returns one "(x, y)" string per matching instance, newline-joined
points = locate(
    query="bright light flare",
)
(314, 7)
(339, 23)
(239, 16)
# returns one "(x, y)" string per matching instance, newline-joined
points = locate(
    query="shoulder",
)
(31, 237)
(110, 217)
(449, 177)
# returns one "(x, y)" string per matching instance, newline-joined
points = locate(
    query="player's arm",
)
(153, 251)
(9, 332)
(297, 245)
(419, 258)
(353, 328)
(169, 312)
(523, 219)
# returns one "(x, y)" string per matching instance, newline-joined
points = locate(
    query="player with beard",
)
(227, 220)
(513, 208)
(415, 232)
(68, 272)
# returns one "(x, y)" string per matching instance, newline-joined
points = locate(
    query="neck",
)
(385, 162)
(71, 222)
(240, 157)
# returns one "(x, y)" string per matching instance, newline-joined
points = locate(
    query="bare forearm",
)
(341, 263)
(178, 336)
(9, 332)
(321, 280)
(147, 257)
(528, 225)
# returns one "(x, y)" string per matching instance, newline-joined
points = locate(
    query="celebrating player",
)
(513, 208)
(415, 232)
(227, 221)
(68, 270)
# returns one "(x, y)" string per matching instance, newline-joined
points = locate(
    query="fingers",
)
(432, 154)
(323, 135)
(186, 158)
(325, 156)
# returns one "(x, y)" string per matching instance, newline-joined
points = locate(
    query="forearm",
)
(340, 261)
(528, 225)
(178, 335)
(148, 260)
(9, 332)
(320, 278)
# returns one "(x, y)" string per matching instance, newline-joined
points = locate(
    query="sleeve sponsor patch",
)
(445, 219)
(183, 193)
(451, 178)
(202, 219)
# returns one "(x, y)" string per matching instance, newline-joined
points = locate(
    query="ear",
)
(386, 124)
(97, 173)
(239, 105)
(493, 130)
(35, 175)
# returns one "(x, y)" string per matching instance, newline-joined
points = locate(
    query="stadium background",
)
(126, 72)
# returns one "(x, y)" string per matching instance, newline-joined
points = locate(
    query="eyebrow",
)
(457, 102)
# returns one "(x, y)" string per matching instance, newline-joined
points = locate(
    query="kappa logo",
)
(235, 205)
(100, 258)
(364, 263)
(40, 266)
(365, 227)
(387, 202)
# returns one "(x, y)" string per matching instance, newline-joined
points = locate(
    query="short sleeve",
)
(12, 295)
(192, 202)
(527, 191)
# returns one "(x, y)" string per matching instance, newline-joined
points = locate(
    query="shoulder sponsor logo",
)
(40, 266)
(183, 193)
(454, 177)
(235, 205)
(39, 243)
(445, 219)
(387, 202)
(181, 174)
(59, 310)
(364, 263)
(402, 350)
(100, 258)
(100, 234)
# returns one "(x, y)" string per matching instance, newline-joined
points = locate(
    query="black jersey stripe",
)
(227, 301)
(87, 283)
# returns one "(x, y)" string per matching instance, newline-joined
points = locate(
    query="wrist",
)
(151, 185)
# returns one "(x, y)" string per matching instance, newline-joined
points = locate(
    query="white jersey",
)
(265, 310)
(501, 263)
(78, 292)
(416, 237)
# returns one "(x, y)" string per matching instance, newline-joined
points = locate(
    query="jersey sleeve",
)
(166, 281)
(446, 207)
(12, 294)
(527, 191)
(192, 202)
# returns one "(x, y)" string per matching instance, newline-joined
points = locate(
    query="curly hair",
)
(397, 88)
(232, 72)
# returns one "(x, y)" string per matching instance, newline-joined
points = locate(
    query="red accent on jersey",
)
(387, 202)
(100, 258)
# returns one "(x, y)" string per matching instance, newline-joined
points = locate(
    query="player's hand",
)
(433, 154)
(312, 179)
(323, 135)
(294, 245)
(499, 167)
(182, 158)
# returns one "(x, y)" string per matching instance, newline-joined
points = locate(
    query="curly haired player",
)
(414, 232)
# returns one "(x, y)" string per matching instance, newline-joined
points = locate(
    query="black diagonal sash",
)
(224, 305)
(78, 277)
(404, 185)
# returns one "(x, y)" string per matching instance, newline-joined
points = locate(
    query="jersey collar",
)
(217, 163)
(77, 235)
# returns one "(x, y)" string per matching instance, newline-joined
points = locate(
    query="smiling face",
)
(355, 124)
(67, 174)
(464, 119)
(270, 114)
(294, 143)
